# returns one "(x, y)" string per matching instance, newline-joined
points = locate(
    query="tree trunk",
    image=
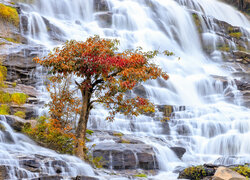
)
(82, 125)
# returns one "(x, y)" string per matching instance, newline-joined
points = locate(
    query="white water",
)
(213, 127)
(15, 147)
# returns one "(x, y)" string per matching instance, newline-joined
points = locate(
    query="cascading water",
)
(210, 128)
(17, 152)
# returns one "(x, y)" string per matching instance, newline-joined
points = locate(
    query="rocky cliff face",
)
(242, 5)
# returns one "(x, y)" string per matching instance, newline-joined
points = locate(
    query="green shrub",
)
(19, 98)
(4, 109)
(20, 114)
(243, 170)
(194, 173)
(49, 134)
(9, 14)
(5, 97)
(141, 175)
(235, 34)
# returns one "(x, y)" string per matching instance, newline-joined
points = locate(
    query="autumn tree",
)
(103, 76)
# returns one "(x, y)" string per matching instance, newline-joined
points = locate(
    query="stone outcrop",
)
(179, 151)
(223, 173)
(126, 156)
(242, 5)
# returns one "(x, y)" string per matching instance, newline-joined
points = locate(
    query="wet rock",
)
(32, 165)
(223, 173)
(179, 151)
(15, 122)
(6, 170)
(55, 177)
(183, 129)
(196, 172)
(3, 173)
(22, 88)
(54, 32)
(29, 109)
(104, 19)
(243, 5)
(126, 156)
(19, 63)
(101, 5)
(85, 178)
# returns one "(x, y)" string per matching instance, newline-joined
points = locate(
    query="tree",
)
(103, 76)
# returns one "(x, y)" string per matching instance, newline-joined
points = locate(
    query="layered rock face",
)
(242, 5)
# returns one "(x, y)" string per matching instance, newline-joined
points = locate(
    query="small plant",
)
(2, 127)
(13, 84)
(5, 97)
(235, 35)
(243, 170)
(141, 175)
(20, 114)
(194, 173)
(9, 14)
(50, 134)
(4, 109)
(117, 134)
(11, 40)
(19, 98)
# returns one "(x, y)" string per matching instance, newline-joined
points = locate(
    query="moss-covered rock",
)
(196, 172)
(9, 14)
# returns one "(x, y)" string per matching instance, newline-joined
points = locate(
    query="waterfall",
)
(18, 153)
(210, 128)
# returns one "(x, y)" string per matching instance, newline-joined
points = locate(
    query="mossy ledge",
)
(9, 14)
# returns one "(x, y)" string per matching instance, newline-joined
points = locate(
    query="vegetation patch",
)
(20, 114)
(19, 98)
(4, 109)
(235, 35)
(243, 170)
(11, 40)
(197, 22)
(117, 134)
(9, 14)
(193, 173)
(224, 48)
(141, 175)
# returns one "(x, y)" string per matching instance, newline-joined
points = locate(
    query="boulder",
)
(126, 156)
(223, 173)
(3, 172)
(104, 19)
(15, 122)
(101, 5)
(85, 178)
(20, 65)
(179, 151)
(54, 177)
(196, 172)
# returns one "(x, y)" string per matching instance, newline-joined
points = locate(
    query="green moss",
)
(230, 29)
(235, 34)
(197, 22)
(19, 98)
(9, 14)
(118, 134)
(11, 40)
(141, 175)
(5, 97)
(124, 141)
(195, 172)
(20, 114)
(224, 48)
(2, 127)
(243, 170)
(4, 109)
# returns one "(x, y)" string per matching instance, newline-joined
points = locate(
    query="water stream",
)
(211, 129)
